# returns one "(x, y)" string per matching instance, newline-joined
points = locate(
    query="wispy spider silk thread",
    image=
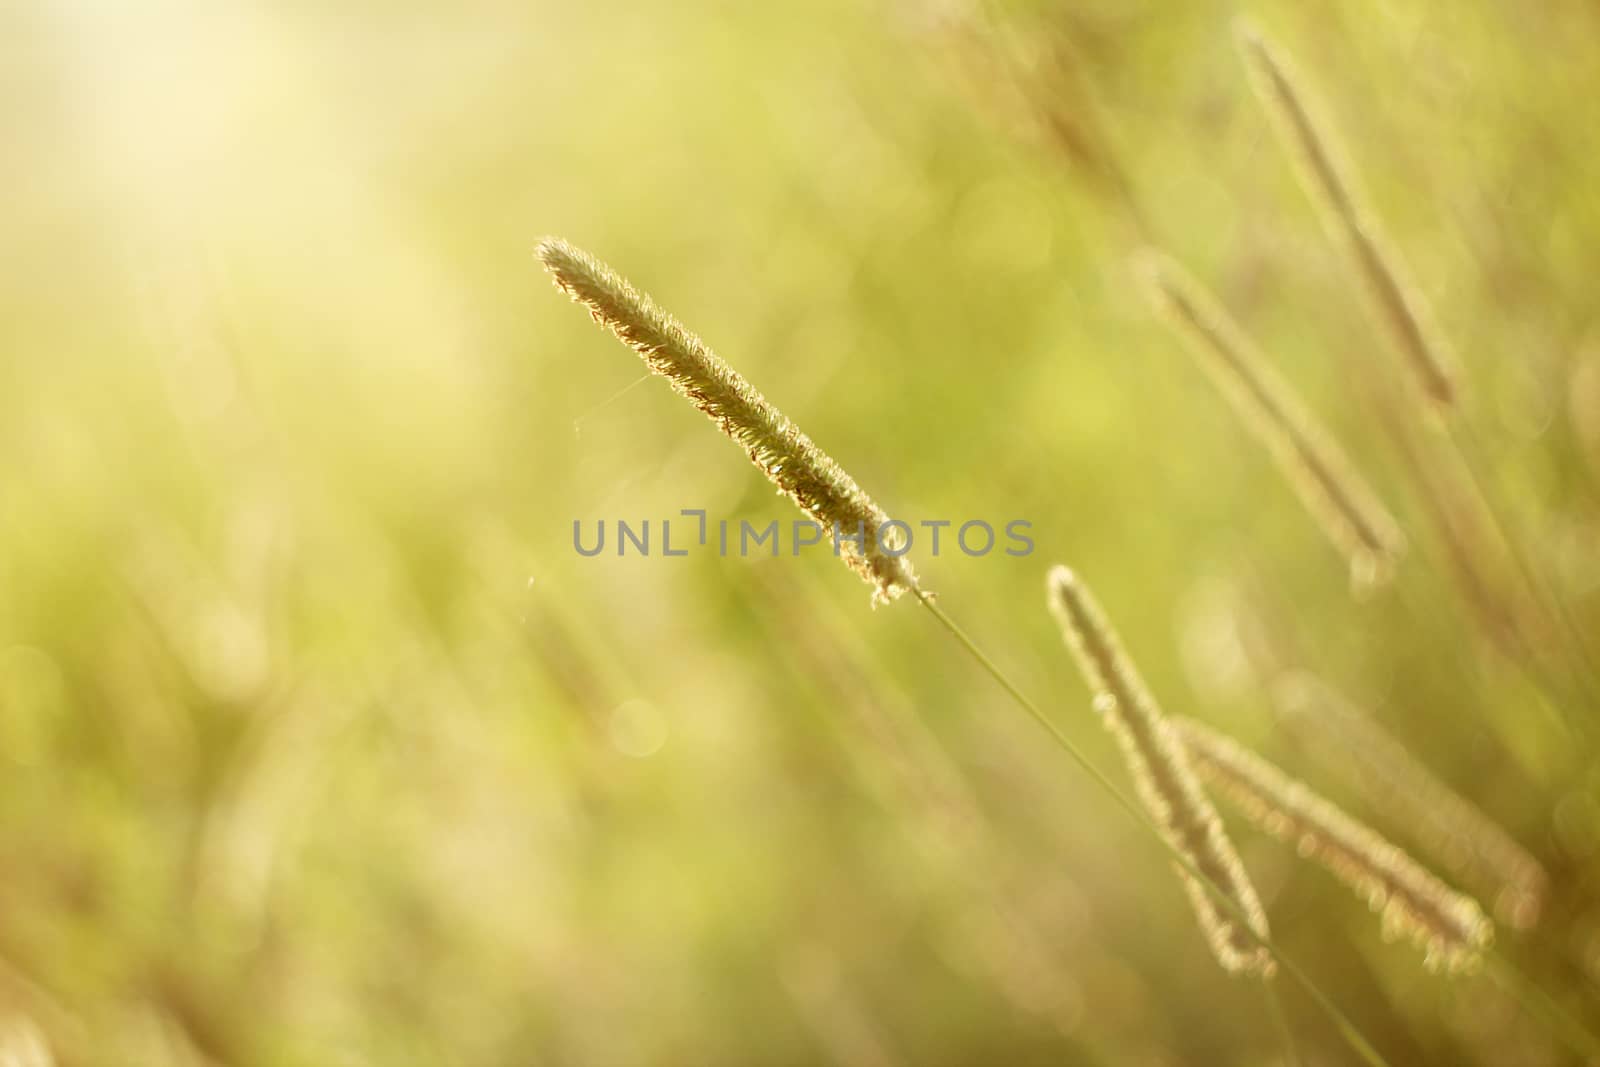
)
(1160, 770)
(801, 471)
(1450, 927)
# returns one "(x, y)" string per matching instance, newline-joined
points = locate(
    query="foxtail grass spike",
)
(1339, 499)
(800, 470)
(1328, 180)
(1450, 927)
(1450, 828)
(1160, 769)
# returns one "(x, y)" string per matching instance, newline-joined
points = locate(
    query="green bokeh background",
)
(319, 744)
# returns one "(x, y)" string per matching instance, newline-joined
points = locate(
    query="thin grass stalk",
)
(847, 677)
(1280, 1019)
(927, 791)
(1029, 78)
(1339, 499)
(1449, 926)
(1330, 183)
(1509, 613)
(1546, 598)
(1543, 1007)
(1161, 773)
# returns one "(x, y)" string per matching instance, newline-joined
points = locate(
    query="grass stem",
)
(1291, 1055)
(1542, 1006)
(1465, 442)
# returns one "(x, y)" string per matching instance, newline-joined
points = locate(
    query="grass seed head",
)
(800, 470)
(1448, 926)
(1338, 498)
(1329, 182)
(1348, 742)
(1166, 785)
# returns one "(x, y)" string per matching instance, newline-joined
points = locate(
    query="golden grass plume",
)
(1166, 784)
(1341, 502)
(800, 470)
(1466, 842)
(1329, 181)
(1449, 926)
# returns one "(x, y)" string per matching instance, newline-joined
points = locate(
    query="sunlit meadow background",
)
(319, 744)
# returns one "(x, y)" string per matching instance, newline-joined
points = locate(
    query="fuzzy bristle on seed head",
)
(1448, 926)
(800, 470)
(1345, 507)
(1327, 179)
(1166, 785)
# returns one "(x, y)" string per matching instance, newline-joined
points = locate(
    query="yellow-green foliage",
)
(319, 744)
